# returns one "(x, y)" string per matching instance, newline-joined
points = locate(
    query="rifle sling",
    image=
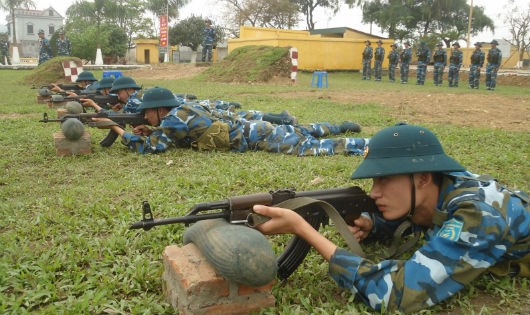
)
(397, 247)
(332, 213)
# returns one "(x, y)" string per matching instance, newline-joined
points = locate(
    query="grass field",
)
(66, 246)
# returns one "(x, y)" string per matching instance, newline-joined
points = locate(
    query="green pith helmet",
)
(41, 31)
(404, 149)
(158, 97)
(86, 76)
(494, 42)
(105, 83)
(124, 83)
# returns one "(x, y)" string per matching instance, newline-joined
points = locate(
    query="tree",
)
(261, 13)
(10, 6)
(432, 20)
(519, 22)
(190, 33)
(307, 8)
(161, 7)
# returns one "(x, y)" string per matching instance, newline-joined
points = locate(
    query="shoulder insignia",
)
(451, 229)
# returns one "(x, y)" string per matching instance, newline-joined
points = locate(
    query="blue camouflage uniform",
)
(494, 59)
(368, 54)
(45, 50)
(455, 62)
(379, 57)
(133, 102)
(479, 224)
(405, 57)
(63, 47)
(207, 43)
(185, 124)
(477, 61)
(393, 60)
(424, 56)
(4, 51)
(440, 61)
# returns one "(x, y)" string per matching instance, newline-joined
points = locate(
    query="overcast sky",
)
(346, 17)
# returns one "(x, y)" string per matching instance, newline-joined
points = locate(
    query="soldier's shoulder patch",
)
(451, 229)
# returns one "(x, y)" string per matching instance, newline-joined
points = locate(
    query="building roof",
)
(341, 31)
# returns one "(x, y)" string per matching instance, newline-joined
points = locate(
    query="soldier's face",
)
(151, 115)
(392, 195)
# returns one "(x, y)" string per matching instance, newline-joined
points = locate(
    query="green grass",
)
(66, 246)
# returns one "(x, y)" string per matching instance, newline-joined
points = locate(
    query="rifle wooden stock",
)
(350, 202)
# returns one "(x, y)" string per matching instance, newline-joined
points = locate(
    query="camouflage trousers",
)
(299, 140)
(420, 72)
(4, 59)
(474, 76)
(404, 72)
(367, 69)
(438, 73)
(378, 69)
(491, 76)
(453, 75)
(207, 53)
(392, 72)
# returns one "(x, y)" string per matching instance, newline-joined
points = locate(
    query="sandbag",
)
(73, 129)
(237, 252)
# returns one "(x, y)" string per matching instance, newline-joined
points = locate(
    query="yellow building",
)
(147, 51)
(325, 49)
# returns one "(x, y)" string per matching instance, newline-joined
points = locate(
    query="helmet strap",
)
(412, 210)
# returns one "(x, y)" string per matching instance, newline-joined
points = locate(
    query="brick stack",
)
(192, 286)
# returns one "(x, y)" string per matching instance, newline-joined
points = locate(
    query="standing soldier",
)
(393, 59)
(208, 42)
(367, 60)
(455, 62)
(63, 45)
(494, 61)
(424, 57)
(4, 50)
(405, 57)
(378, 60)
(45, 50)
(477, 61)
(440, 61)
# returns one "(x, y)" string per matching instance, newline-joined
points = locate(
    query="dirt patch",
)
(487, 110)
(167, 71)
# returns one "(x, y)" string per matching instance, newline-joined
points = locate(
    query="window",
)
(29, 28)
(51, 29)
(50, 12)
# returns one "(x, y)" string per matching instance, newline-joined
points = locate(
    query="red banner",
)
(163, 30)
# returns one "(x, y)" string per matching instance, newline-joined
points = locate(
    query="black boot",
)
(283, 118)
(349, 126)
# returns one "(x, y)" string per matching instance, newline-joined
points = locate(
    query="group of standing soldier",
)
(423, 54)
(64, 48)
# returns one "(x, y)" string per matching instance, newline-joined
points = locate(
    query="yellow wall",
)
(314, 52)
(150, 45)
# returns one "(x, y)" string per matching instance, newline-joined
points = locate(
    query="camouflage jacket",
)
(440, 57)
(379, 54)
(406, 55)
(368, 53)
(482, 223)
(456, 58)
(45, 50)
(63, 47)
(494, 56)
(393, 57)
(477, 58)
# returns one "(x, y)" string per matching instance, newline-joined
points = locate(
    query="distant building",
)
(28, 23)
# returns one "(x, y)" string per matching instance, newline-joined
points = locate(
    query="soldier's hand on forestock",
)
(86, 102)
(283, 221)
(362, 227)
(117, 107)
(142, 130)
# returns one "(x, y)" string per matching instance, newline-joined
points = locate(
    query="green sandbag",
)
(73, 107)
(73, 129)
(237, 252)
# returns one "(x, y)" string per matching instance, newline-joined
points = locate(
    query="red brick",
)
(192, 286)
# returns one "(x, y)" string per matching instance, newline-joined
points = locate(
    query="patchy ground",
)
(476, 108)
